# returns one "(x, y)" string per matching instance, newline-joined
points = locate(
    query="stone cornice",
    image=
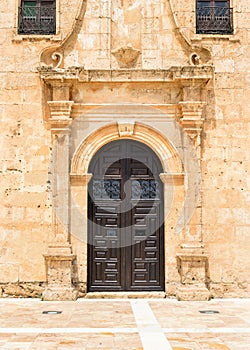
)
(191, 256)
(181, 74)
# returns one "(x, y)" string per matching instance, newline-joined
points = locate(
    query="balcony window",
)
(214, 17)
(37, 17)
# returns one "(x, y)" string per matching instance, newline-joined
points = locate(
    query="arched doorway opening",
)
(125, 219)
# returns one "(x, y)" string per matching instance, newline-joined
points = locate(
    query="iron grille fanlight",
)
(37, 20)
(214, 20)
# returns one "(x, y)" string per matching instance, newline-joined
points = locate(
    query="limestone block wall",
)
(25, 205)
(141, 34)
(110, 26)
(25, 152)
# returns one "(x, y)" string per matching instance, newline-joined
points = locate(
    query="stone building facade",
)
(147, 73)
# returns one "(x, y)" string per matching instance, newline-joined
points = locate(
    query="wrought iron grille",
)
(107, 189)
(145, 189)
(214, 20)
(37, 20)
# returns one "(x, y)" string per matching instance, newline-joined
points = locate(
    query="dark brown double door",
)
(125, 219)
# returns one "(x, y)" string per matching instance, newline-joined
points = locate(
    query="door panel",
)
(125, 211)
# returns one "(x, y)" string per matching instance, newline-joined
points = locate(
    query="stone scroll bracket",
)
(52, 56)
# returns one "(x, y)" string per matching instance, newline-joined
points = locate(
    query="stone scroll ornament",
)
(198, 55)
(52, 56)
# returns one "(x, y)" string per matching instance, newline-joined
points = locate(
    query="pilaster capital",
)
(80, 179)
(192, 111)
(191, 119)
(191, 251)
(60, 114)
(172, 178)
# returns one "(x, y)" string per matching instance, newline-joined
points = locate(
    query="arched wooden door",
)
(125, 219)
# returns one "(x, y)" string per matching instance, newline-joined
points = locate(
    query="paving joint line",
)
(151, 334)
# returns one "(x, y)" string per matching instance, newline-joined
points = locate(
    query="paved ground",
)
(133, 324)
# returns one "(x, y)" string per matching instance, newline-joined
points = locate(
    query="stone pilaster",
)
(173, 195)
(192, 122)
(192, 258)
(79, 196)
(59, 257)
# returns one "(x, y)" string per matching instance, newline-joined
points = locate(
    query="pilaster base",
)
(192, 292)
(57, 293)
(59, 274)
(193, 269)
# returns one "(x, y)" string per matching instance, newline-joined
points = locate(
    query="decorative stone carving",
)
(191, 119)
(126, 56)
(52, 56)
(203, 53)
(56, 59)
(194, 59)
(60, 114)
(126, 128)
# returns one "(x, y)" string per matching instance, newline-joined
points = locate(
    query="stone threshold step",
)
(124, 295)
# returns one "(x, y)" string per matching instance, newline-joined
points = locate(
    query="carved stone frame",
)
(188, 113)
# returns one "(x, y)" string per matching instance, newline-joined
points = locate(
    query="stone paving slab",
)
(145, 324)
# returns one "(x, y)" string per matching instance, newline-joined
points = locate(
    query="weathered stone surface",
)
(22, 290)
(192, 292)
(64, 93)
(125, 295)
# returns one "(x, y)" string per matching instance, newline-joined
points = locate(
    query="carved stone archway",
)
(166, 152)
(172, 177)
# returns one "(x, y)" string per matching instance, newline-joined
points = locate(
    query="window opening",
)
(37, 17)
(214, 17)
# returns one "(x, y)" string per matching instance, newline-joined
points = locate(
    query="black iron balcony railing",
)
(214, 20)
(37, 20)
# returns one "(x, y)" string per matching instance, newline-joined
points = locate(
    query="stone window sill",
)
(35, 37)
(208, 37)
